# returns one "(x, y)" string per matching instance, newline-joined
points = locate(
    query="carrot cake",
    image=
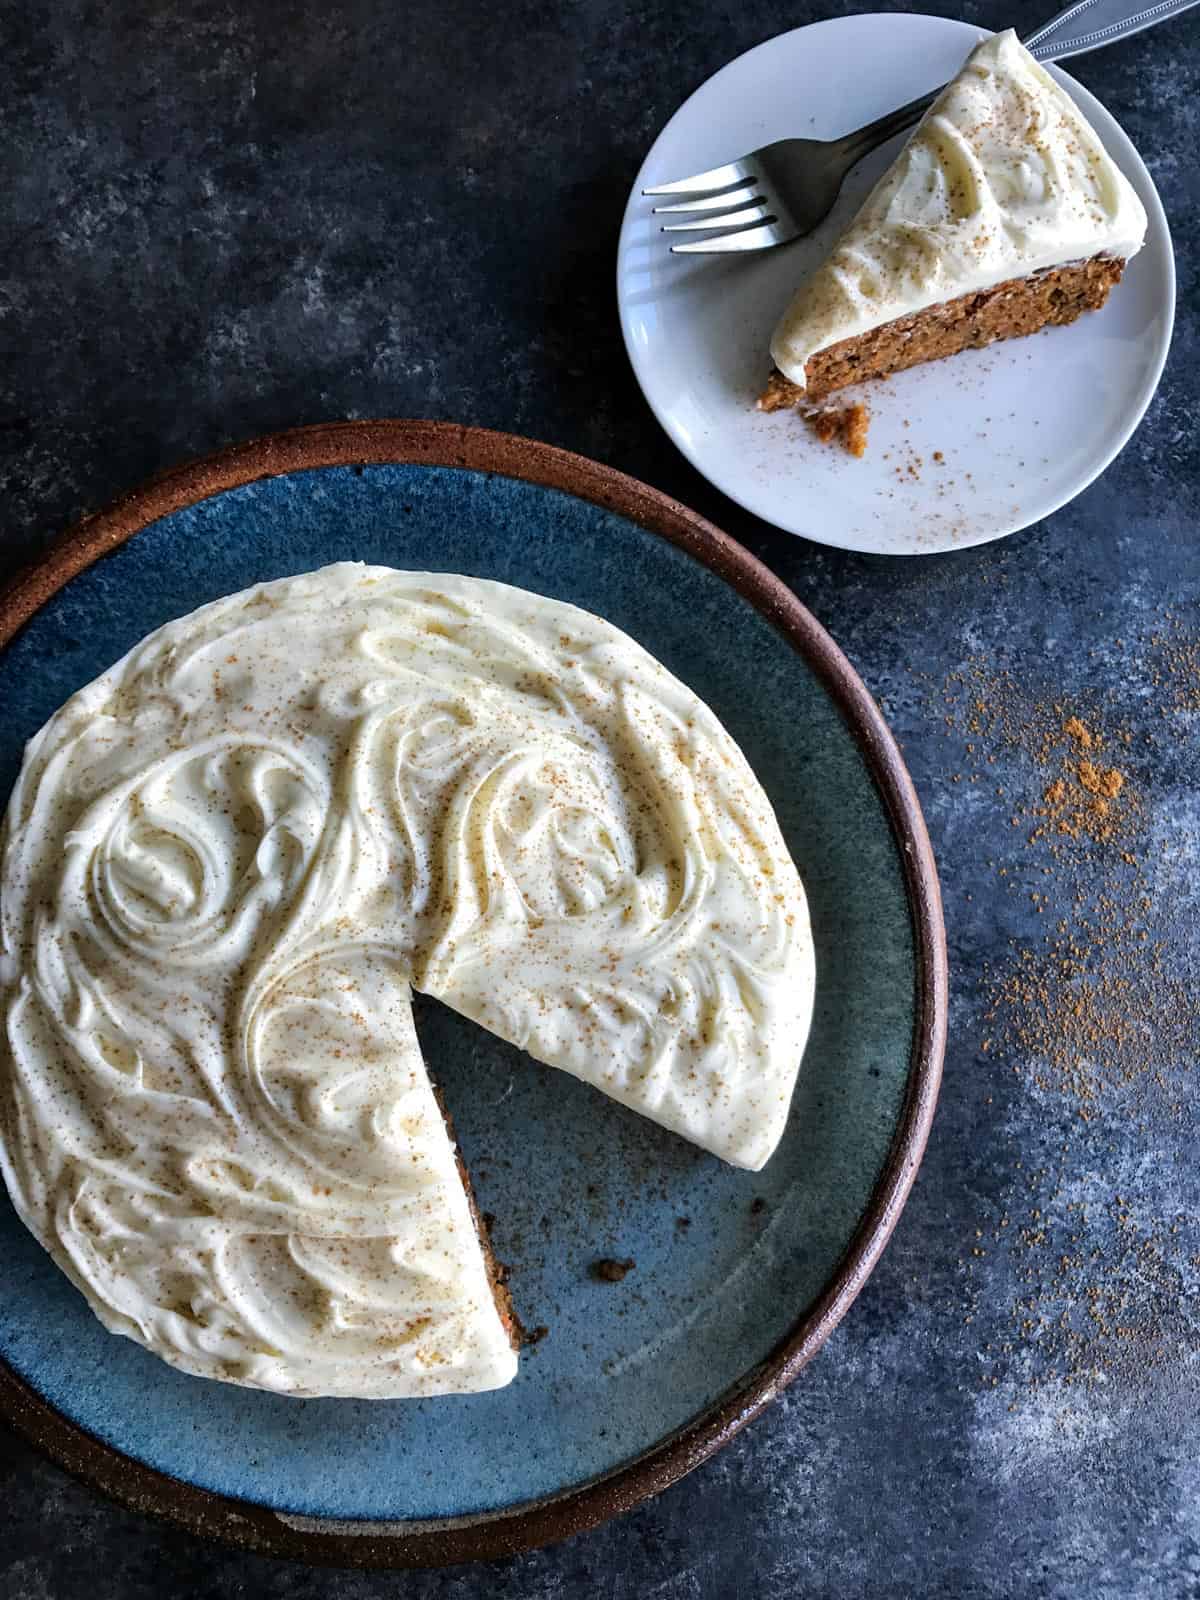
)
(1003, 214)
(224, 864)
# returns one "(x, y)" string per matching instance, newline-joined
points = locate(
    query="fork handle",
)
(1086, 25)
(1091, 23)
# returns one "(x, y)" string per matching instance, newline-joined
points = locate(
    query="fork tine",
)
(752, 238)
(758, 212)
(745, 194)
(733, 172)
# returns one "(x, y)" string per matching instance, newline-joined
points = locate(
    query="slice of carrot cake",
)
(1003, 214)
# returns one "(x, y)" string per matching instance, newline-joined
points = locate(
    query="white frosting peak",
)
(223, 863)
(1003, 177)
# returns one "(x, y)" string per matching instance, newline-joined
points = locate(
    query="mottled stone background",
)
(222, 219)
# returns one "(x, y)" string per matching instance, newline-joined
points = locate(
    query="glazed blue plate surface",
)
(726, 1261)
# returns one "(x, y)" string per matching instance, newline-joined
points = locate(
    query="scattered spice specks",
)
(1092, 1019)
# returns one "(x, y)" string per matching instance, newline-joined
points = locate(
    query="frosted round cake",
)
(227, 862)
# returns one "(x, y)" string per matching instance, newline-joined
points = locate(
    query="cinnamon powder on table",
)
(1094, 1022)
(1065, 801)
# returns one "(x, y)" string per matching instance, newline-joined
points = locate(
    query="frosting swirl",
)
(225, 861)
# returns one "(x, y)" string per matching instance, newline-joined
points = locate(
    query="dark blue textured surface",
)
(223, 219)
(568, 1177)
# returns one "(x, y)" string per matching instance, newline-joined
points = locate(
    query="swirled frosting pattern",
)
(226, 860)
(1002, 178)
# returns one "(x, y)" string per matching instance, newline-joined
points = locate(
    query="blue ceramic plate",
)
(738, 1276)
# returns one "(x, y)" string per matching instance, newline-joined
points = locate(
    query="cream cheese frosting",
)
(224, 863)
(1002, 178)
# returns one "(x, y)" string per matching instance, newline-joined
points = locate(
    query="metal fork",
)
(788, 188)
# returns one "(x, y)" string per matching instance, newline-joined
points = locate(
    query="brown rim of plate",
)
(524, 1527)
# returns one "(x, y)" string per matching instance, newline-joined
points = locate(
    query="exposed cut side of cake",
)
(1002, 215)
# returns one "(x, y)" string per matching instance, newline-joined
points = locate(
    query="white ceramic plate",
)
(1021, 427)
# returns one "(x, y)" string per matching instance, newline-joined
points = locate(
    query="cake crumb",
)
(855, 428)
(847, 426)
(536, 1335)
(609, 1270)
